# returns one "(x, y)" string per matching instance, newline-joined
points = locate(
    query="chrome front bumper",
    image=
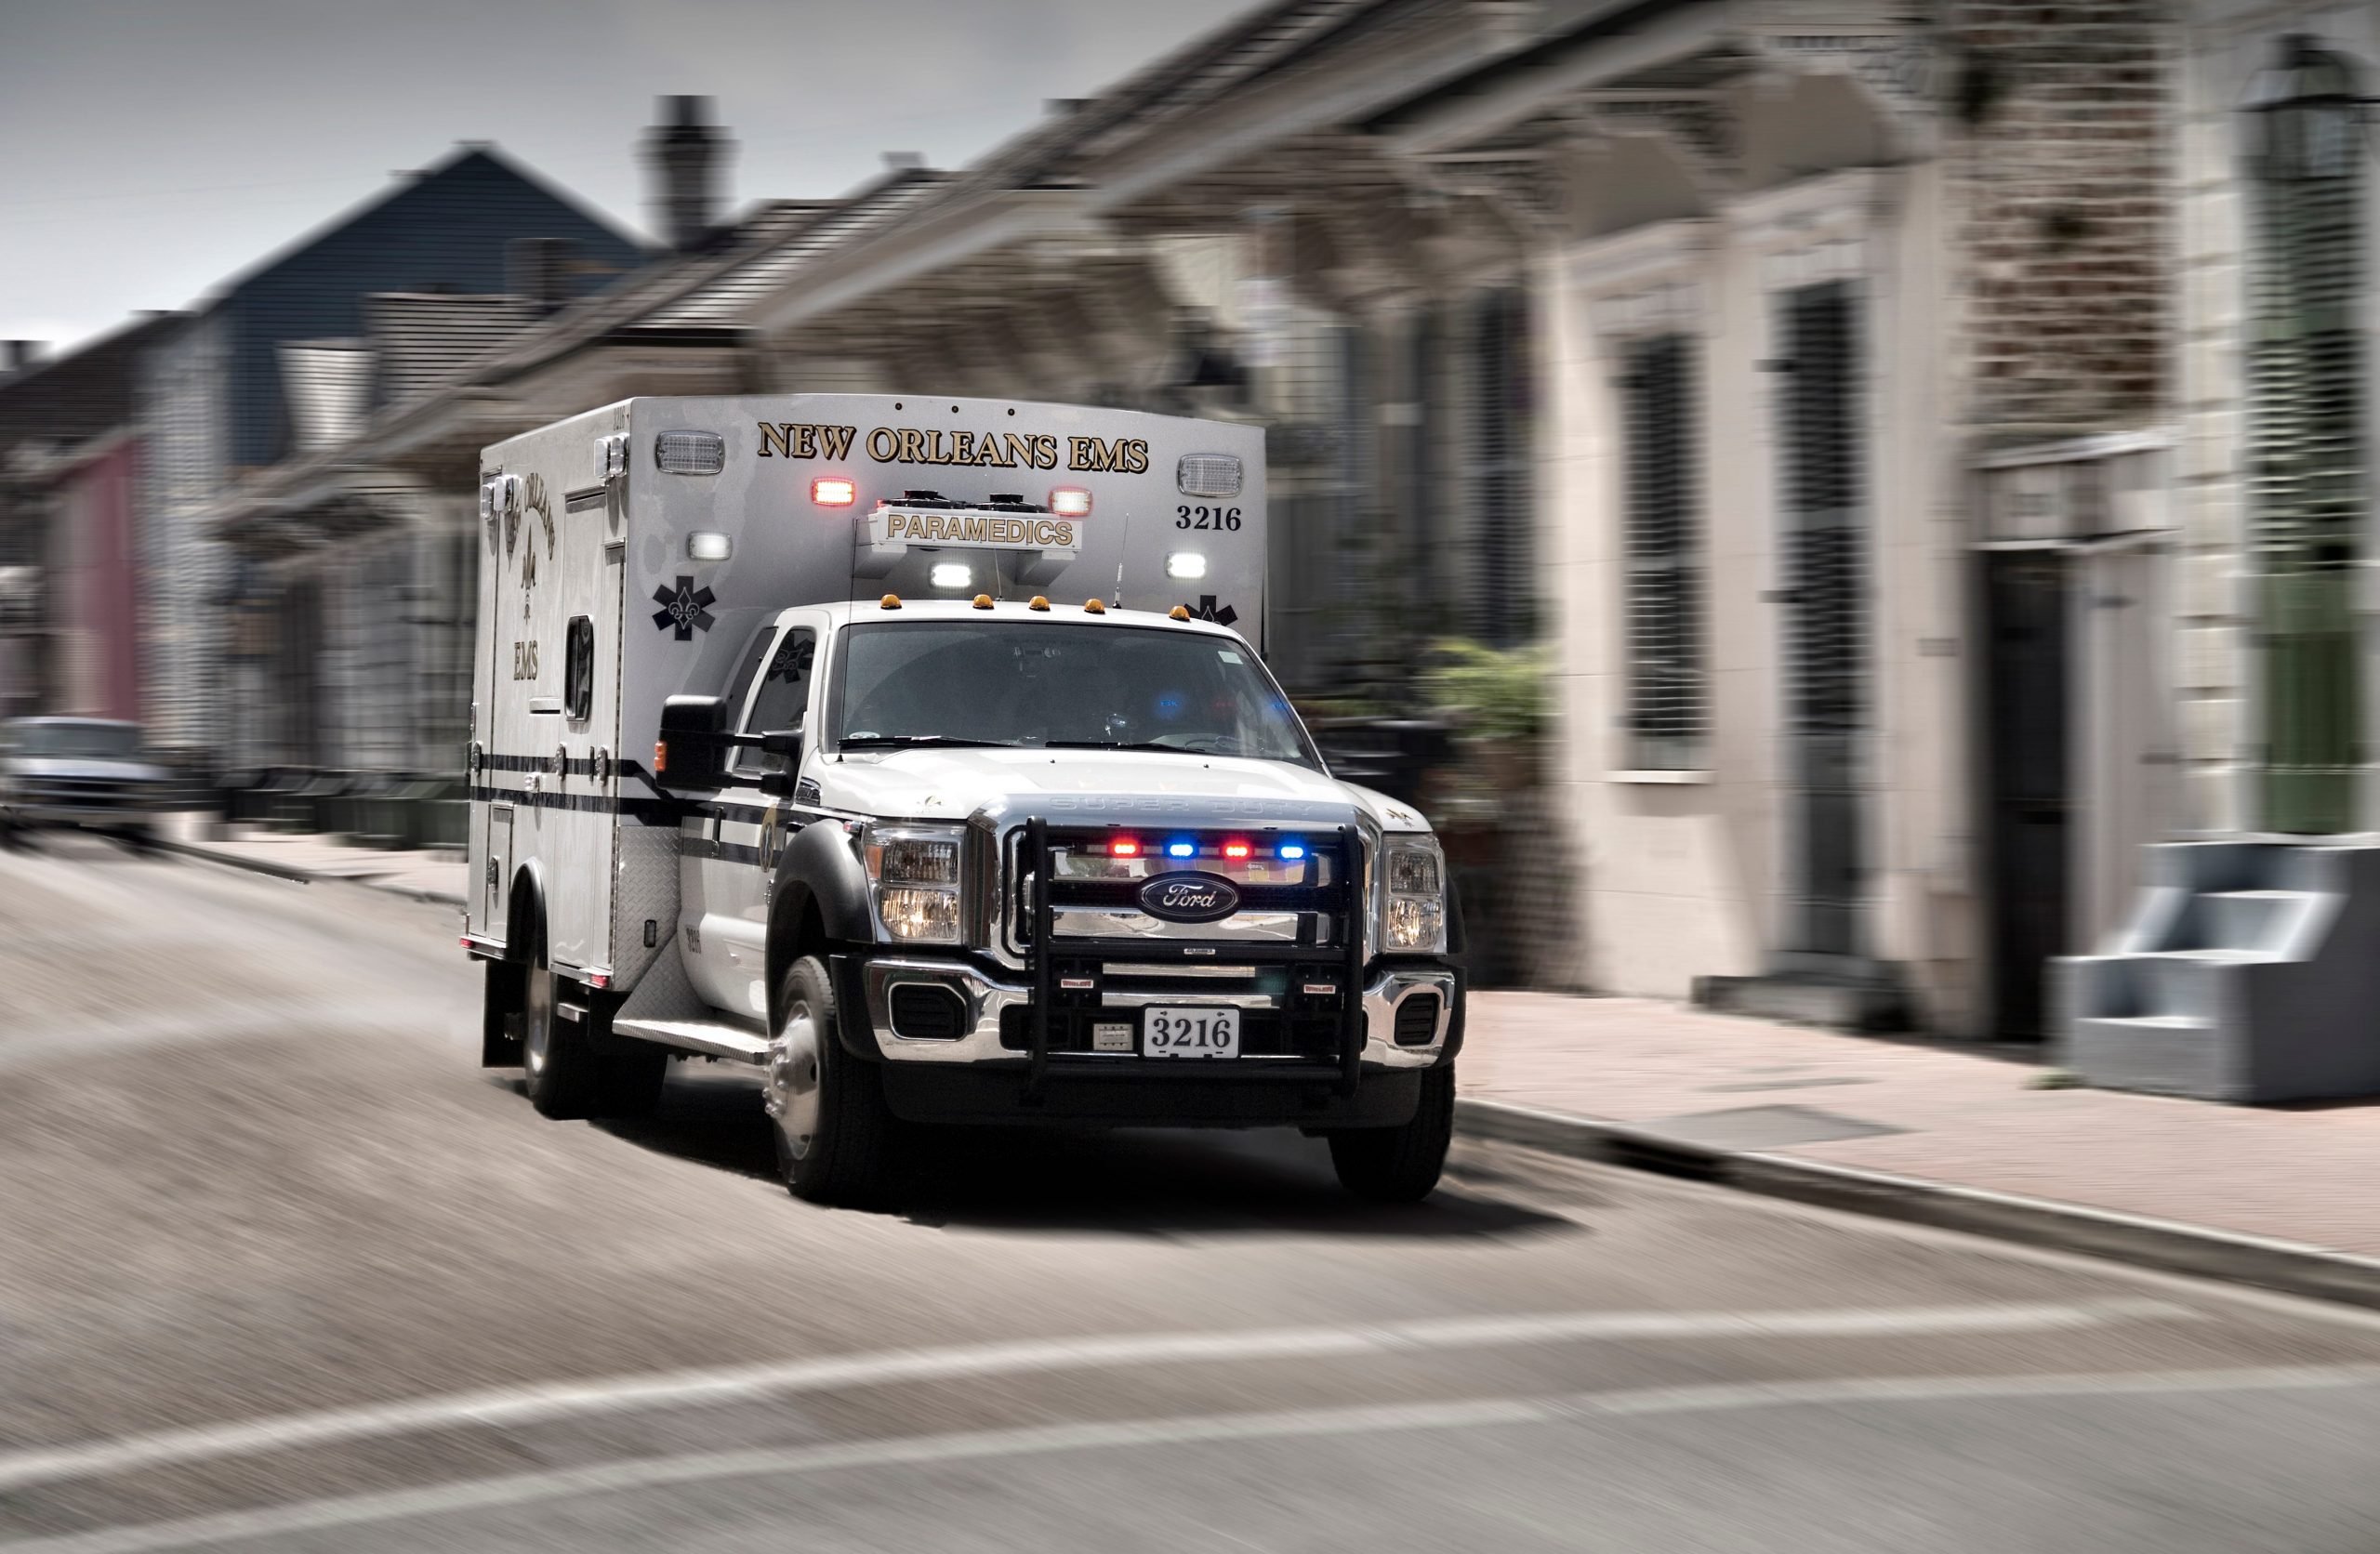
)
(985, 998)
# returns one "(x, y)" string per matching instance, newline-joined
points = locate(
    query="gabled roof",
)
(468, 156)
(82, 393)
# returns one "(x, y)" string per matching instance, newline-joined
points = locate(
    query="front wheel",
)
(834, 1132)
(1400, 1164)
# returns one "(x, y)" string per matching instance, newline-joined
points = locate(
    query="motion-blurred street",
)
(285, 1270)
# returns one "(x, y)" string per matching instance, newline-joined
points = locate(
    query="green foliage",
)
(1488, 692)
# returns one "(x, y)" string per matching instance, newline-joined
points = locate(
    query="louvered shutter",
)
(1666, 695)
(1498, 466)
(2305, 480)
(1826, 637)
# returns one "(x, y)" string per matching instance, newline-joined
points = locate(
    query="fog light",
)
(1188, 565)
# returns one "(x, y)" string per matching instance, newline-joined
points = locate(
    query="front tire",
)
(561, 1073)
(834, 1131)
(1400, 1164)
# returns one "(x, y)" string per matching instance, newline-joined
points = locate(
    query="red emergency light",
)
(1238, 850)
(1070, 502)
(1124, 846)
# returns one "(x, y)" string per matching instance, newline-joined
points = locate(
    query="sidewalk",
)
(1958, 1119)
(428, 875)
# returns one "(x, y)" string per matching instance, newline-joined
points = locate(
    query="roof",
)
(83, 393)
(420, 341)
(1061, 612)
(396, 189)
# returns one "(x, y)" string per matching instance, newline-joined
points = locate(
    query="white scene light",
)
(950, 574)
(709, 546)
(1185, 564)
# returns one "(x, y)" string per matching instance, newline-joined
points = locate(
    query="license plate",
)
(1193, 1032)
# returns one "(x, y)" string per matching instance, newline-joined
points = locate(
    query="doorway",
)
(2026, 619)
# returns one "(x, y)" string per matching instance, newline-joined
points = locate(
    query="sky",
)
(149, 149)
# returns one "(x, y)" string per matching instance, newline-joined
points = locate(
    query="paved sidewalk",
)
(1962, 1118)
(432, 875)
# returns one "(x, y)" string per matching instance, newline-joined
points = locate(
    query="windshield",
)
(78, 739)
(1064, 686)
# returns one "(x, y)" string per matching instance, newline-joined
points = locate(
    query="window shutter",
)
(1667, 701)
(2306, 482)
(1826, 642)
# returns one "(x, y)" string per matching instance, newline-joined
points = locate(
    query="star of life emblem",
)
(685, 607)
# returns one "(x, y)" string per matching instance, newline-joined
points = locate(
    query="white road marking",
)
(979, 1446)
(524, 1405)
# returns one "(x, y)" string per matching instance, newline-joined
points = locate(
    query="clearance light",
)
(889, 601)
(1070, 502)
(707, 546)
(983, 602)
(1095, 607)
(833, 491)
(1237, 849)
(1182, 849)
(951, 574)
(1124, 846)
(1038, 601)
(1179, 613)
(1291, 851)
(1188, 565)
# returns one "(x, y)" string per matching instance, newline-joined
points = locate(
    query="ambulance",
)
(920, 755)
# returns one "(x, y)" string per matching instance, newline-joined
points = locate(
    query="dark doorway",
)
(1826, 616)
(2025, 756)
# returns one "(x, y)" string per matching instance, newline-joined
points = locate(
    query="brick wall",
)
(2056, 141)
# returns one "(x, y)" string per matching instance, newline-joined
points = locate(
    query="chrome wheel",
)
(793, 1081)
(537, 1020)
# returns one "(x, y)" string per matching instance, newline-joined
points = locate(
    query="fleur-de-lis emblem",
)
(685, 608)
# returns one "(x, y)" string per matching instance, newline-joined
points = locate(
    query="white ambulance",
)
(919, 753)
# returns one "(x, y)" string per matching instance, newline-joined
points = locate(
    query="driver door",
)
(724, 880)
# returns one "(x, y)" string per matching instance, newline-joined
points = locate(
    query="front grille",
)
(1304, 901)
(928, 1013)
(1416, 1020)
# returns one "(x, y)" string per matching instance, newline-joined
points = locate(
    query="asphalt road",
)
(281, 1270)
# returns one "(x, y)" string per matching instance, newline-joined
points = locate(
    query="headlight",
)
(914, 873)
(1413, 915)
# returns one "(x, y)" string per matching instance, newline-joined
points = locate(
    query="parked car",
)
(88, 772)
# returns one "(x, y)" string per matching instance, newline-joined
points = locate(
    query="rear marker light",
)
(600, 979)
(830, 492)
(660, 756)
(1070, 502)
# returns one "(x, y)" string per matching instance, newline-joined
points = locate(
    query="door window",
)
(578, 668)
(782, 699)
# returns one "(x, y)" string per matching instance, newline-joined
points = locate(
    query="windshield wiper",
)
(920, 741)
(1220, 741)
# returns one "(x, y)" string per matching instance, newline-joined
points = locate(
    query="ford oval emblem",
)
(1189, 898)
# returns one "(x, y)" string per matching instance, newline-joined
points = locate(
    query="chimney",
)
(540, 268)
(686, 156)
(21, 354)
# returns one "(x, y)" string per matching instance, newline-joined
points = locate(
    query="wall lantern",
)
(2304, 114)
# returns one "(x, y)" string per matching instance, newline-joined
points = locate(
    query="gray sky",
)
(150, 147)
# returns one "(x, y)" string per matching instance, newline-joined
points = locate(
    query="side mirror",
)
(693, 739)
(783, 741)
(779, 785)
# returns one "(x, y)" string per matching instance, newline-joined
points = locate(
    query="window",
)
(1496, 469)
(782, 700)
(1667, 701)
(2306, 467)
(578, 669)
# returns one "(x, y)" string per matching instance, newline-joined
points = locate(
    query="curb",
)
(2167, 1245)
(299, 876)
